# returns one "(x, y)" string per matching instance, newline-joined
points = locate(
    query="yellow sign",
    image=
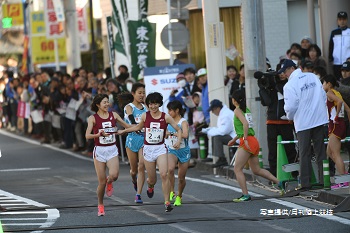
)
(37, 22)
(43, 50)
(14, 11)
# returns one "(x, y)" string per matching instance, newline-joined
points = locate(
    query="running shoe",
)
(178, 201)
(172, 195)
(135, 185)
(101, 210)
(150, 192)
(168, 206)
(138, 199)
(109, 189)
(281, 186)
(243, 198)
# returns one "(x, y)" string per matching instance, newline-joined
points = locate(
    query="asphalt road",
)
(46, 189)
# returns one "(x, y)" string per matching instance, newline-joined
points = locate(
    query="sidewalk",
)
(333, 197)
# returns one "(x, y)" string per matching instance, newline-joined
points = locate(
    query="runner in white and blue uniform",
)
(181, 155)
(134, 140)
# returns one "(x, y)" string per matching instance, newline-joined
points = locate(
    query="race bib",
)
(110, 138)
(173, 140)
(154, 136)
(249, 118)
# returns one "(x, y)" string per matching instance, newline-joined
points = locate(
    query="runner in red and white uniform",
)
(104, 129)
(155, 152)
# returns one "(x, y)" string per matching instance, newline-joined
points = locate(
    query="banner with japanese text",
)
(142, 45)
(42, 49)
(54, 27)
(84, 28)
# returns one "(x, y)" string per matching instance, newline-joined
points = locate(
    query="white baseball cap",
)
(201, 72)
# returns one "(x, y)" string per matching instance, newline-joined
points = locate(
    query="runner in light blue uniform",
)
(134, 141)
(181, 155)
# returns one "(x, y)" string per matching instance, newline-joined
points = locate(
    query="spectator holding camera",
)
(271, 93)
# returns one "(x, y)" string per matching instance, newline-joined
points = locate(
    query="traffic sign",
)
(180, 36)
(182, 14)
(181, 3)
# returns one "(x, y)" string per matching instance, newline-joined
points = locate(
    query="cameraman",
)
(271, 94)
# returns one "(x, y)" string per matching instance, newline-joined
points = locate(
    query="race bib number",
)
(110, 138)
(138, 119)
(249, 118)
(173, 140)
(154, 136)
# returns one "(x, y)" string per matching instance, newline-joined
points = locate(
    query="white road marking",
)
(25, 169)
(52, 214)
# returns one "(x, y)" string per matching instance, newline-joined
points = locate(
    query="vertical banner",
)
(25, 55)
(142, 45)
(121, 37)
(83, 29)
(54, 28)
(110, 43)
(143, 11)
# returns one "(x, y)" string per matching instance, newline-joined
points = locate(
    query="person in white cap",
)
(203, 80)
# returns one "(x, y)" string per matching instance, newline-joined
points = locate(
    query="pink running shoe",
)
(101, 210)
(109, 189)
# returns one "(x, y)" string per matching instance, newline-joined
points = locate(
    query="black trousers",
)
(286, 131)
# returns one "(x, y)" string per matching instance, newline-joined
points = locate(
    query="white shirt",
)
(224, 124)
(305, 100)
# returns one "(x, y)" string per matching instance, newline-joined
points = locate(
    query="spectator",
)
(338, 50)
(304, 103)
(296, 58)
(305, 44)
(238, 83)
(232, 76)
(203, 81)
(344, 89)
(276, 123)
(190, 75)
(314, 55)
(222, 133)
(307, 66)
(320, 72)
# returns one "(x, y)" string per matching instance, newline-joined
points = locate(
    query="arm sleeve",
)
(132, 119)
(330, 47)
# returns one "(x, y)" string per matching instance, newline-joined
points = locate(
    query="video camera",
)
(266, 80)
(266, 83)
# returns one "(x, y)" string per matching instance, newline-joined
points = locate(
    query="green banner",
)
(143, 4)
(142, 45)
(119, 43)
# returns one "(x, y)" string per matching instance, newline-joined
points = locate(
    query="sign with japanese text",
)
(54, 28)
(43, 48)
(83, 28)
(13, 11)
(142, 36)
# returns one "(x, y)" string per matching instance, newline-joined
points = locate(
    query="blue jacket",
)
(205, 103)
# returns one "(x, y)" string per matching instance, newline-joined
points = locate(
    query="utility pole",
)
(93, 42)
(73, 44)
(255, 60)
(214, 55)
